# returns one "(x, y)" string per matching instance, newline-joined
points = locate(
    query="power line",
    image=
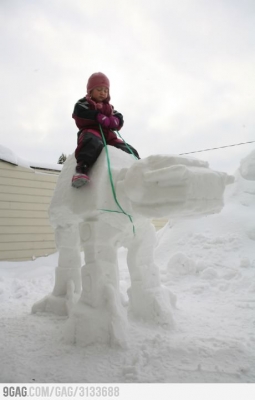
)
(216, 148)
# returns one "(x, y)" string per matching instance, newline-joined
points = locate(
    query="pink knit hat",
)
(98, 79)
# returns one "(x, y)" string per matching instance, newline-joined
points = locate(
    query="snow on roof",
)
(9, 156)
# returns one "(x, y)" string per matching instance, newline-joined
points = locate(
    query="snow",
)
(247, 166)
(9, 156)
(158, 185)
(45, 165)
(207, 263)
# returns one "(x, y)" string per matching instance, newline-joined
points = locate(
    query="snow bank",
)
(10, 157)
(243, 191)
(232, 232)
(247, 167)
(209, 263)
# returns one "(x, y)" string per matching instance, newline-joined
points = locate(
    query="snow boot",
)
(80, 178)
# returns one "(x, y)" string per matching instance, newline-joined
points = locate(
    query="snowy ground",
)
(208, 263)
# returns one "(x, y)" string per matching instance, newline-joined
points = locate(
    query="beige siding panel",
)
(26, 190)
(6, 165)
(19, 255)
(10, 174)
(27, 183)
(7, 230)
(26, 199)
(10, 205)
(32, 237)
(25, 195)
(11, 167)
(23, 214)
(23, 222)
(47, 172)
(25, 246)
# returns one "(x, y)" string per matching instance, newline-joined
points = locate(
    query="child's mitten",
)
(114, 122)
(103, 120)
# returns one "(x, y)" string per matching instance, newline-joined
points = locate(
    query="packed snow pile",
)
(243, 191)
(100, 221)
(218, 253)
(234, 225)
(208, 263)
(154, 187)
(247, 167)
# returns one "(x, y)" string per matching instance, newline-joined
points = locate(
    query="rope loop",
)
(127, 146)
(112, 185)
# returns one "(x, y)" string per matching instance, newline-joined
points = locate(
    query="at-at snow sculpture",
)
(89, 219)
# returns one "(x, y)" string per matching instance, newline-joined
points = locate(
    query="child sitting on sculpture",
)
(94, 116)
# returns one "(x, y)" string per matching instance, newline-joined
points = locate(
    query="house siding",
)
(25, 195)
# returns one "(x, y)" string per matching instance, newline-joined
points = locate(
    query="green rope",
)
(127, 146)
(112, 185)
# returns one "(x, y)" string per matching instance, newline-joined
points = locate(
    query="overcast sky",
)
(182, 73)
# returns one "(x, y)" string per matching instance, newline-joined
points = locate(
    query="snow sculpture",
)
(247, 167)
(85, 218)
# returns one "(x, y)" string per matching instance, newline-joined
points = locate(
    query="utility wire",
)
(216, 148)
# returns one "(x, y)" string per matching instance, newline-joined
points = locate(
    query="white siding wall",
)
(25, 231)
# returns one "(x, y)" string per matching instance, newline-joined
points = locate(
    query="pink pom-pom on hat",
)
(96, 80)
